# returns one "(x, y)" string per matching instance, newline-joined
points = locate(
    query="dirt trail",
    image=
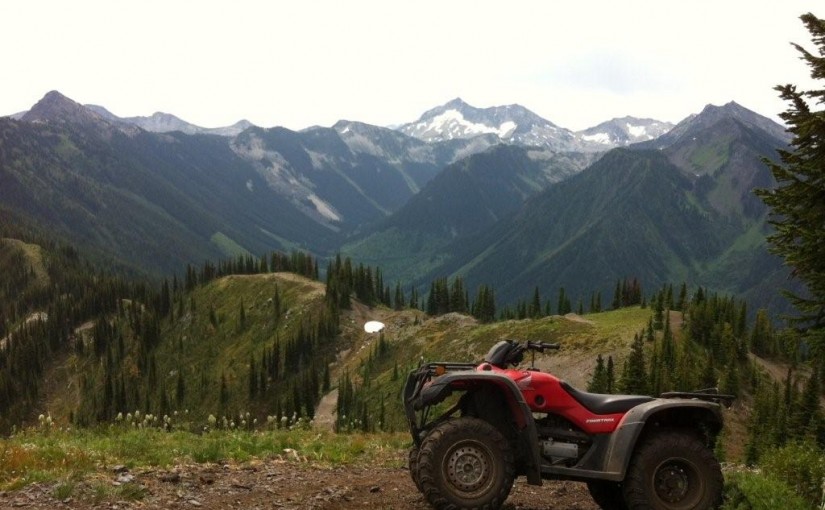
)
(272, 484)
(354, 320)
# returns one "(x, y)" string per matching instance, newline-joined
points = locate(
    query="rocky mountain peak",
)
(55, 107)
(624, 131)
(712, 115)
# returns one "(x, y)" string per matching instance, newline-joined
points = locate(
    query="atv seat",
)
(605, 404)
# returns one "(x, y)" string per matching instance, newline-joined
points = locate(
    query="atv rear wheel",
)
(673, 471)
(608, 495)
(465, 463)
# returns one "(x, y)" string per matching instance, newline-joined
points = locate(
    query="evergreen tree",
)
(598, 383)
(564, 303)
(611, 375)
(798, 215)
(484, 306)
(807, 419)
(414, 298)
(634, 379)
(682, 301)
(458, 296)
(762, 338)
(400, 302)
(658, 312)
(535, 304)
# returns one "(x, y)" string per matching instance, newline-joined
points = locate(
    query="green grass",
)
(227, 245)
(64, 457)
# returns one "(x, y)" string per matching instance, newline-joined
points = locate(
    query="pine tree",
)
(761, 338)
(611, 375)
(796, 204)
(807, 419)
(400, 302)
(634, 379)
(458, 296)
(658, 312)
(535, 304)
(598, 383)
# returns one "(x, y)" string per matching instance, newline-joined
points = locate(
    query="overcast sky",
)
(300, 63)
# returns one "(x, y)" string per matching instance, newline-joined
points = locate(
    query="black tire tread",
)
(428, 464)
(635, 494)
(413, 465)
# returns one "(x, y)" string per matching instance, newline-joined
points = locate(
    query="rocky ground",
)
(268, 484)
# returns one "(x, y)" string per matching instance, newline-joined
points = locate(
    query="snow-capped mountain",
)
(516, 124)
(511, 124)
(625, 131)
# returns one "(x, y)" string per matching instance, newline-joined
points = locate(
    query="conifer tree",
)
(535, 304)
(400, 302)
(658, 312)
(611, 375)
(564, 303)
(796, 204)
(598, 382)
(634, 379)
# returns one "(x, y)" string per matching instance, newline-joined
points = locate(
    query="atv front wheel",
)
(465, 463)
(673, 471)
(413, 464)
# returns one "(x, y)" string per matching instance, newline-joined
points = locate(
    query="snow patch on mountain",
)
(625, 131)
(515, 124)
(602, 138)
(323, 208)
(637, 131)
(282, 178)
(452, 124)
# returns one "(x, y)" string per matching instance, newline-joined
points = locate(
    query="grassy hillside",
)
(411, 337)
(262, 344)
(238, 344)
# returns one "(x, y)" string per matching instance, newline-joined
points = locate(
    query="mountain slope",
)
(625, 131)
(510, 124)
(514, 124)
(160, 122)
(603, 224)
(681, 212)
(154, 202)
(468, 197)
(181, 198)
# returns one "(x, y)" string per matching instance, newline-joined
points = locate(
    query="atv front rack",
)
(416, 381)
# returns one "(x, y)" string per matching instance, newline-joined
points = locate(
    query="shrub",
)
(801, 466)
(747, 490)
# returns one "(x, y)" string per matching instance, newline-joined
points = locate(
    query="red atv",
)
(634, 452)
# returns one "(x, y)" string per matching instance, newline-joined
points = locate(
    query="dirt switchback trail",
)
(275, 484)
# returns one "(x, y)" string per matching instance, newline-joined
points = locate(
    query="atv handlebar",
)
(542, 346)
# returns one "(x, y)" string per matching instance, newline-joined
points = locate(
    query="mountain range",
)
(497, 195)
(676, 208)
(514, 124)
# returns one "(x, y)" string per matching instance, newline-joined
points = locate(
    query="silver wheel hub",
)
(468, 468)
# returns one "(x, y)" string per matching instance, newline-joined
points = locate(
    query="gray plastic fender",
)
(623, 440)
(442, 386)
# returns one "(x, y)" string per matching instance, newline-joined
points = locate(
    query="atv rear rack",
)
(707, 394)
